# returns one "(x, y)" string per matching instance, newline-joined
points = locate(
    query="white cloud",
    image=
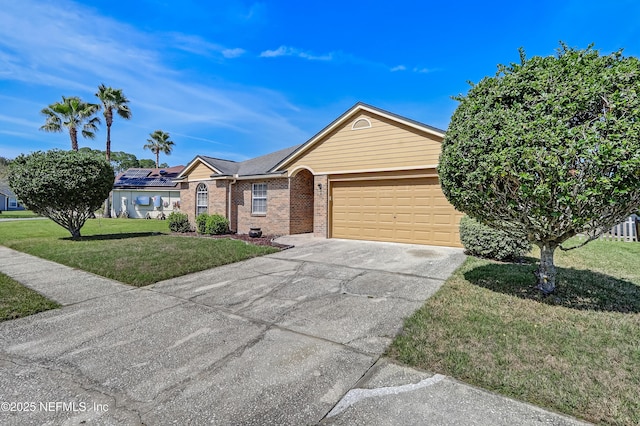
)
(68, 49)
(292, 51)
(19, 121)
(398, 68)
(200, 46)
(233, 53)
(280, 51)
(421, 70)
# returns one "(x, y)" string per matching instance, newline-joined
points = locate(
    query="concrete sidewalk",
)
(291, 338)
(58, 282)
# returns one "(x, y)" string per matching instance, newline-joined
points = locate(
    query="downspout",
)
(230, 200)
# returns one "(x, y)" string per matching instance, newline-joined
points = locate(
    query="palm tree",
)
(72, 113)
(159, 142)
(112, 100)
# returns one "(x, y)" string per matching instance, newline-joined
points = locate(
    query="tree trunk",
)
(73, 134)
(157, 159)
(108, 115)
(107, 208)
(75, 232)
(109, 119)
(546, 273)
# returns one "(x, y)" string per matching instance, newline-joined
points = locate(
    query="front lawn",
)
(18, 301)
(17, 214)
(131, 251)
(577, 352)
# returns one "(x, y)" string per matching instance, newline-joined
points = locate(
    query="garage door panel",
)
(402, 210)
(442, 219)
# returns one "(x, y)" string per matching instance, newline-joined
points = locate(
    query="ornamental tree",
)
(65, 186)
(550, 147)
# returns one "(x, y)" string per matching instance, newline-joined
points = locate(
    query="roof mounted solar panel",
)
(136, 173)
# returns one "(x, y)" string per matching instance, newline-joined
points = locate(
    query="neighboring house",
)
(369, 175)
(8, 200)
(146, 193)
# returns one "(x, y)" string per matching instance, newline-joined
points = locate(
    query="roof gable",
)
(227, 168)
(5, 190)
(199, 160)
(345, 118)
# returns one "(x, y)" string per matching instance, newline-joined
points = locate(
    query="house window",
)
(259, 198)
(13, 203)
(202, 198)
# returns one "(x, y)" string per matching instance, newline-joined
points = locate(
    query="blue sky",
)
(237, 79)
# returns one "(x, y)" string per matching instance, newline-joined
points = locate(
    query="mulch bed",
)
(265, 240)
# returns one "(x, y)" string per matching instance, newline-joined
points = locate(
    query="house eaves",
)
(250, 177)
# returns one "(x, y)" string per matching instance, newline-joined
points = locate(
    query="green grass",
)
(18, 301)
(17, 214)
(131, 251)
(576, 351)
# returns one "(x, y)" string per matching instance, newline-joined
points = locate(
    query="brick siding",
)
(188, 200)
(292, 204)
(320, 206)
(217, 192)
(218, 195)
(276, 221)
(301, 205)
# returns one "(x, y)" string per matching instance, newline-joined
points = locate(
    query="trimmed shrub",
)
(201, 223)
(484, 241)
(217, 224)
(179, 222)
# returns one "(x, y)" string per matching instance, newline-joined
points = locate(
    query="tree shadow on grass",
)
(122, 236)
(575, 288)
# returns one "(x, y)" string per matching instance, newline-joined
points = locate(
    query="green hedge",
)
(217, 224)
(201, 223)
(179, 222)
(212, 224)
(484, 241)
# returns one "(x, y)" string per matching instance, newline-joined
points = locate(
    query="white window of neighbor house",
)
(202, 198)
(13, 203)
(259, 198)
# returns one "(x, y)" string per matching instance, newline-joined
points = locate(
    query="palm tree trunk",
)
(108, 151)
(108, 118)
(73, 134)
(157, 159)
(108, 115)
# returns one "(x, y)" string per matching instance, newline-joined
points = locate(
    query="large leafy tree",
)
(4, 167)
(120, 160)
(73, 114)
(549, 146)
(146, 163)
(159, 142)
(113, 100)
(65, 186)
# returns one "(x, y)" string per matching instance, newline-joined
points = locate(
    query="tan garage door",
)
(399, 210)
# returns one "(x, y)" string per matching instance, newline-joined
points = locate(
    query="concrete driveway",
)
(278, 339)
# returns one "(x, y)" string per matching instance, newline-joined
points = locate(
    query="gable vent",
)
(361, 123)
